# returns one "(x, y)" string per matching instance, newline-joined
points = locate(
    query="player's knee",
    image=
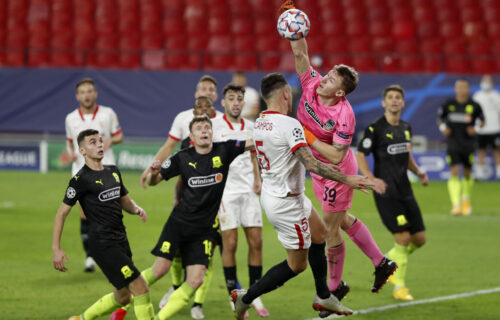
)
(299, 266)
(420, 241)
(123, 298)
(255, 243)
(195, 282)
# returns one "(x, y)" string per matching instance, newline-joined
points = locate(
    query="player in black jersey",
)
(389, 139)
(456, 118)
(102, 195)
(203, 169)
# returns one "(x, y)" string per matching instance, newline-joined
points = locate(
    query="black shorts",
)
(115, 260)
(194, 244)
(464, 157)
(400, 215)
(489, 140)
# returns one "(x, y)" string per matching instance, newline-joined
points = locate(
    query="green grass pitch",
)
(461, 255)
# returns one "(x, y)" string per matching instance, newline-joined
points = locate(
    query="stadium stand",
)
(374, 35)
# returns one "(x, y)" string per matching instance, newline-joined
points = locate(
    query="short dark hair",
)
(270, 83)
(233, 87)
(393, 87)
(85, 133)
(208, 78)
(196, 119)
(349, 76)
(85, 81)
(204, 97)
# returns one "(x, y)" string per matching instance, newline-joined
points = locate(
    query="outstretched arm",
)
(329, 171)
(131, 207)
(58, 255)
(299, 49)
(162, 154)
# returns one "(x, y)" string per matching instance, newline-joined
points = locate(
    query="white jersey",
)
(104, 120)
(240, 177)
(180, 126)
(490, 103)
(276, 138)
(252, 101)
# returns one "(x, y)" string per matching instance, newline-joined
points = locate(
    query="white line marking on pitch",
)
(417, 302)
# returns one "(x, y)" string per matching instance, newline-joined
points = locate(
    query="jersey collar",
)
(93, 115)
(271, 112)
(231, 126)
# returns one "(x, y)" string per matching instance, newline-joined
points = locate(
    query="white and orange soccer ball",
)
(293, 24)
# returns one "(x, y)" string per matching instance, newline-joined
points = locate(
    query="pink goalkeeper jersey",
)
(328, 123)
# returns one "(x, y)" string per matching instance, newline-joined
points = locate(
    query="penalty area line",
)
(417, 302)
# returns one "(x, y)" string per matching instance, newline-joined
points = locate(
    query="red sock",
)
(335, 256)
(362, 237)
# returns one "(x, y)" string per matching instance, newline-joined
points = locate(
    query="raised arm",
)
(299, 49)
(58, 255)
(334, 153)
(131, 207)
(413, 167)
(330, 172)
(154, 176)
(162, 154)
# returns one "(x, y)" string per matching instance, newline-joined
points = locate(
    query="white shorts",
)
(240, 209)
(290, 218)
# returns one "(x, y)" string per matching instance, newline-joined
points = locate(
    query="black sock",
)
(317, 261)
(273, 279)
(255, 273)
(84, 232)
(230, 275)
(175, 287)
(197, 304)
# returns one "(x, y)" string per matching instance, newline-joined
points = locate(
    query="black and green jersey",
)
(390, 146)
(458, 116)
(99, 193)
(203, 179)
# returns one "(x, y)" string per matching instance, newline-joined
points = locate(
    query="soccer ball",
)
(293, 24)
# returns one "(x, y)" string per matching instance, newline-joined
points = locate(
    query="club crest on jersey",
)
(204, 181)
(398, 148)
(327, 126)
(109, 194)
(217, 162)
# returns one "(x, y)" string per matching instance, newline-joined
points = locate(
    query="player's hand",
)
(140, 212)
(470, 130)
(155, 167)
(380, 185)
(447, 131)
(287, 5)
(58, 258)
(424, 179)
(144, 175)
(257, 185)
(360, 183)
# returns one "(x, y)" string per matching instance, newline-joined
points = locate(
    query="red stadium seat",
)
(175, 43)
(241, 27)
(356, 29)
(354, 15)
(38, 58)
(244, 43)
(474, 30)
(336, 45)
(315, 44)
(376, 13)
(287, 63)
(130, 42)
(198, 43)
(360, 45)
(14, 58)
(218, 61)
(457, 65)
(383, 44)
(263, 25)
(268, 44)
(217, 26)
(471, 14)
(450, 30)
(401, 13)
(380, 28)
(331, 14)
(427, 29)
(245, 62)
(440, 4)
(390, 64)
(61, 41)
(411, 64)
(424, 14)
(479, 47)
(173, 26)
(482, 65)
(431, 46)
(334, 28)
(446, 15)
(83, 42)
(194, 27)
(62, 59)
(467, 4)
(219, 44)
(329, 61)
(130, 60)
(171, 61)
(269, 62)
(403, 29)
(432, 64)
(494, 30)
(151, 41)
(364, 63)
(454, 47)
(495, 48)
(492, 14)
(407, 46)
